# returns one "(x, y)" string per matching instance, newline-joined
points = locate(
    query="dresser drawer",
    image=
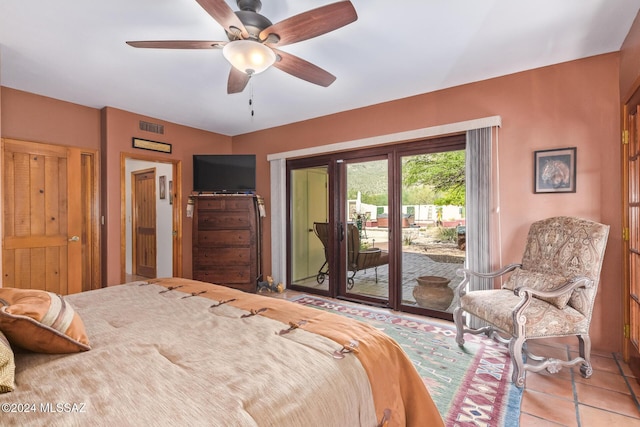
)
(208, 220)
(225, 275)
(222, 256)
(227, 203)
(222, 238)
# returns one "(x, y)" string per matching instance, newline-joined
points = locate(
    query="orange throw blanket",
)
(396, 384)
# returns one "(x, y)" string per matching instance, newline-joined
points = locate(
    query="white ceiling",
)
(75, 50)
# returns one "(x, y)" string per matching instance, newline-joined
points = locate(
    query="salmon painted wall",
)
(119, 127)
(630, 61)
(574, 104)
(31, 117)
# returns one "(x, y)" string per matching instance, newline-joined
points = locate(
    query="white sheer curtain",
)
(478, 194)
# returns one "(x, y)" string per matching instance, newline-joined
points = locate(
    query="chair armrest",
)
(370, 251)
(466, 274)
(574, 283)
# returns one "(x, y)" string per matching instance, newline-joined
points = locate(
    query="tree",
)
(444, 172)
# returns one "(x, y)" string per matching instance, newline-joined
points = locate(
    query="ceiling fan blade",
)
(237, 81)
(311, 23)
(179, 44)
(224, 15)
(302, 69)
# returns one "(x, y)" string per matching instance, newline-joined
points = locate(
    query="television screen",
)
(224, 173)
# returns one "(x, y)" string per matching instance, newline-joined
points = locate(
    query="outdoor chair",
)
(357, 258)
(361, 259)
(550, 294)
(321, 229)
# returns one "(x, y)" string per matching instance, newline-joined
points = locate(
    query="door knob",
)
(74, 239)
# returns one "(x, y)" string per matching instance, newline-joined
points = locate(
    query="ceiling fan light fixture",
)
(250, 57)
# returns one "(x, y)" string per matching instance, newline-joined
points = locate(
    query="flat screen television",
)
(224, 173)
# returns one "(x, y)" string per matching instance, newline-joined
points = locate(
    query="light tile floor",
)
(610, 398)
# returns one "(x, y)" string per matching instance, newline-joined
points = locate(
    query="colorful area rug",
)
(470, 386)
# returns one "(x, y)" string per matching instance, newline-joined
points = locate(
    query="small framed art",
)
(145, 144)
(555, 170)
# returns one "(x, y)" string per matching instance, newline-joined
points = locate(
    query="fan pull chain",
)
(251, 98)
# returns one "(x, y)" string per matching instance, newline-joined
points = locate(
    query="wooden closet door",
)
(144, 223)
(42, 218)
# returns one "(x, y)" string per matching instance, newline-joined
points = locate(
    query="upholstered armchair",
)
(550, 294)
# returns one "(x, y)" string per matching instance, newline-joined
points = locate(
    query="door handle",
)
(341, 231)
(74, 239)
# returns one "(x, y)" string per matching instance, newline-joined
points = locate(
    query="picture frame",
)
(170, 192)
(145, 144)
(162, 183)
(555, 170)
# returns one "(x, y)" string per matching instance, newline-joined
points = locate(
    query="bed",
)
(180, 352)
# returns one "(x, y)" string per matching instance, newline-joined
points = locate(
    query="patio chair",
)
(550, 294)
(357, 258)
(321, 229)
(360, 259)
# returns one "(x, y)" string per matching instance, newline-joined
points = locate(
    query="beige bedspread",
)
(168, 358)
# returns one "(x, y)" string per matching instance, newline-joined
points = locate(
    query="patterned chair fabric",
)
(550, 294)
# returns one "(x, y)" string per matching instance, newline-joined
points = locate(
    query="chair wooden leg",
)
(585, 352)
(515, 350)
(459, 322)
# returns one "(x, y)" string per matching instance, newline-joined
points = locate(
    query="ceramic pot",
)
(433, 292)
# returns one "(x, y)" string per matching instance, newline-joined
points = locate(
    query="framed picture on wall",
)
(555, 170)
(163, 186)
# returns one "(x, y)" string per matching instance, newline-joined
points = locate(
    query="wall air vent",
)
(151, 127)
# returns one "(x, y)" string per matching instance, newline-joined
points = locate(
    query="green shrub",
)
(447, 234)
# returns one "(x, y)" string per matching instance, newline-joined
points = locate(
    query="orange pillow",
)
(41, 321)
(7, 366)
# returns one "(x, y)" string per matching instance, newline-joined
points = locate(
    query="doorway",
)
(362, 234)
(138, 230)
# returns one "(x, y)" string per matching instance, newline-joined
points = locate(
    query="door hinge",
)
(627, 333)
(625, 137)
(625, 234)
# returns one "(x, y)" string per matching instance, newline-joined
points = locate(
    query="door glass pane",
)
(309, 206)
(366, 230)
(433, 228)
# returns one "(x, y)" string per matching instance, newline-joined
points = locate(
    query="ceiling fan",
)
(254, 41)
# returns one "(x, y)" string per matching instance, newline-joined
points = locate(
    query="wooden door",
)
(42, 247)
(144, 222)
(631, 213)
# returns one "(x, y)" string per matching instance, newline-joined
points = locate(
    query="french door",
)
(356, 230)
(364, 247)
(631, 221)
